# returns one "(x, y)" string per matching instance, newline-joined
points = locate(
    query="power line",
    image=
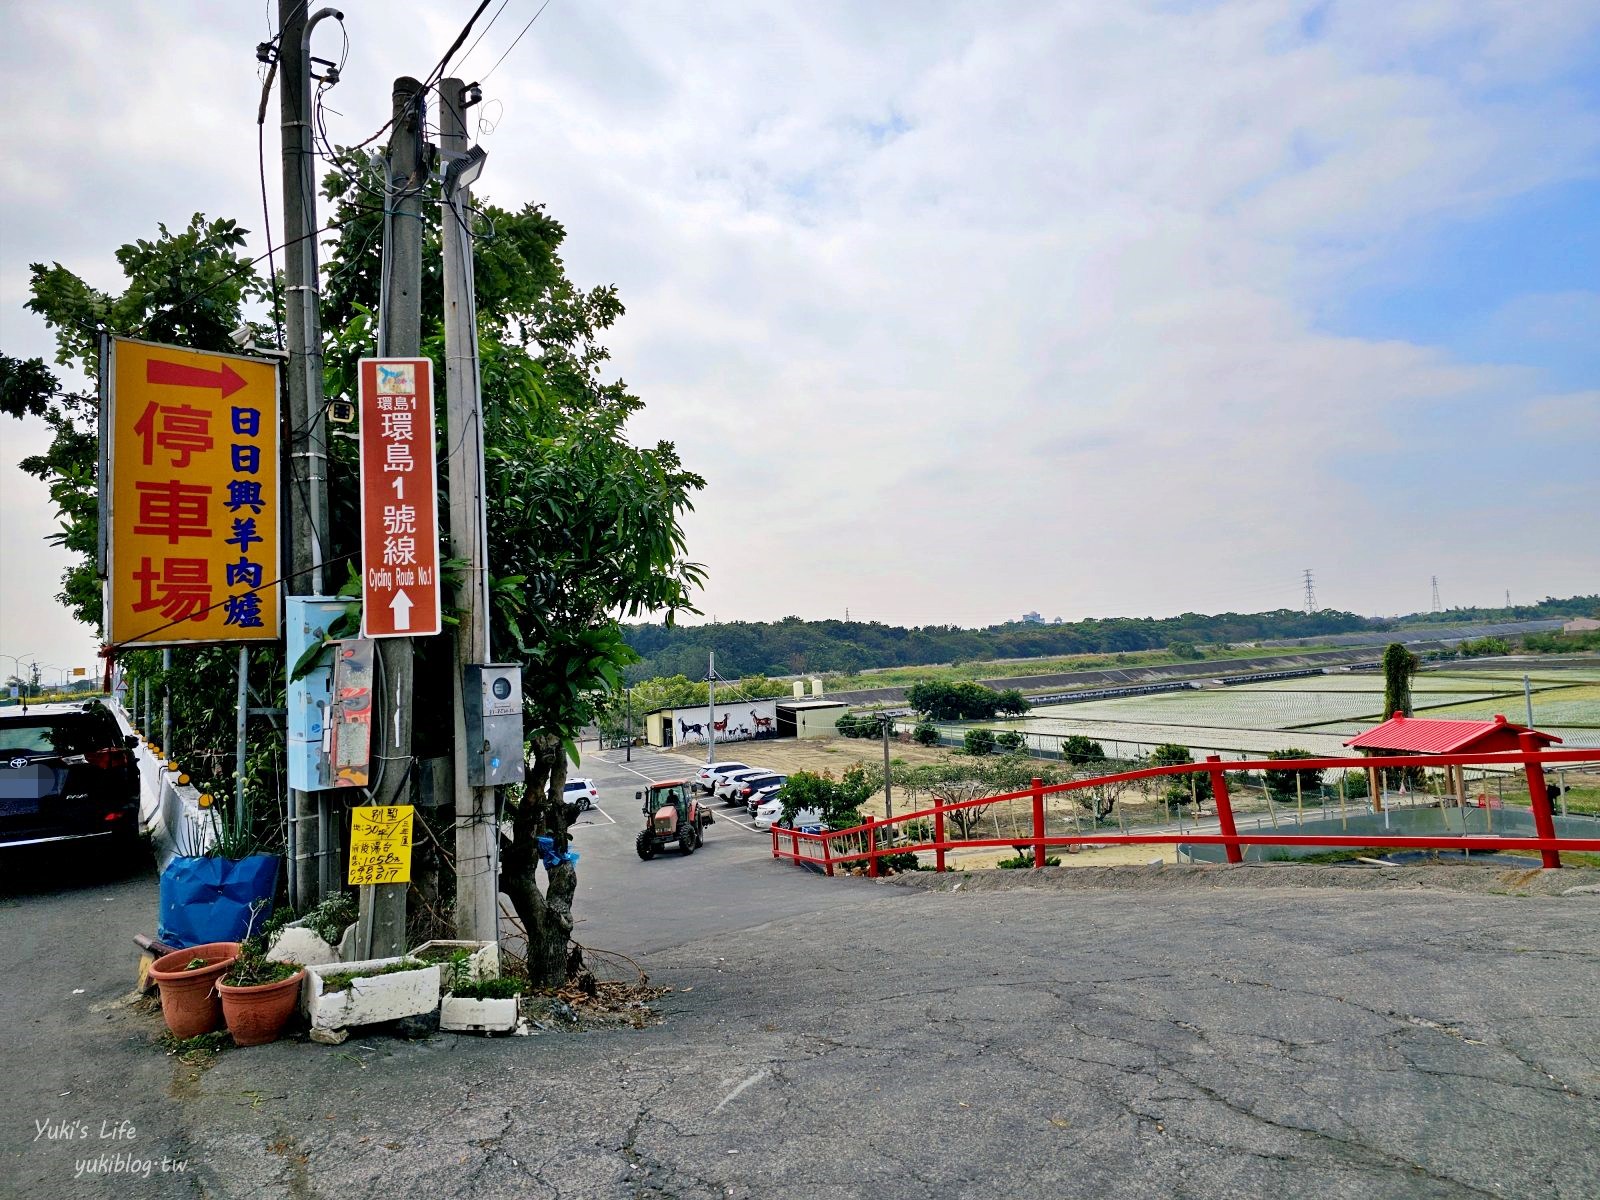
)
(438, 72)
(462, 61)
(514, 42)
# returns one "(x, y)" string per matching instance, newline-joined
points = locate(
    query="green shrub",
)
(1078, 750)
(978, 742)
(1024, 859)
(926, 733)
(1282, 783)
(904, 861)
(486, 989)
(1177, 787)
(1010, 741)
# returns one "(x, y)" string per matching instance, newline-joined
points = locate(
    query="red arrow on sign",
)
(180, 375)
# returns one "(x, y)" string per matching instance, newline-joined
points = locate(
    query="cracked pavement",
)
(888, 1041)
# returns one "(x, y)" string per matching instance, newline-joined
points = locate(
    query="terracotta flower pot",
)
(257, 1013)
(189, 1002)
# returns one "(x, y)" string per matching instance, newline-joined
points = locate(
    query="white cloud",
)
(964, 310)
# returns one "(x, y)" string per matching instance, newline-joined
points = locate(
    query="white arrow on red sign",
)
(401, 604)
(399, 499)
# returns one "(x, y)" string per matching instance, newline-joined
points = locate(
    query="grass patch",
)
(198, 1051)
(338, 981)
(1331, 856)
(487, 989)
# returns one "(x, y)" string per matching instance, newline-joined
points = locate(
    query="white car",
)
(708, 776)
(580, 793)
(728, 785)
(767, 816)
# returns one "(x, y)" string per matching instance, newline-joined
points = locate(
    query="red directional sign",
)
(399, 499)
(225, 379)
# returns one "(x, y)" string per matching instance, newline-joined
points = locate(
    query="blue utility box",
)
(306, 621)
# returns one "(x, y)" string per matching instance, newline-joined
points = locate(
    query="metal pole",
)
(888, 795)
(711, 698)
(383, 906)
(239, 731)
(627, 700)
(166, 705)
(477, 887)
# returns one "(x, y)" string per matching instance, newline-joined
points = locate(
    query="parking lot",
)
(730, 883)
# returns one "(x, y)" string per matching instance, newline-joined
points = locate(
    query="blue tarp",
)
(547, 853)
(208, 899)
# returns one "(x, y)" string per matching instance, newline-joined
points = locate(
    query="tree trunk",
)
(546, 914)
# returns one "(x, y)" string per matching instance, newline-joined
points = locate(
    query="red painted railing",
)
(829, 850)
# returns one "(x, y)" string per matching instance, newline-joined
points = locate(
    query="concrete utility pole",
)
(477, 858)
(304, 438)
(888, 795)
(382, 931)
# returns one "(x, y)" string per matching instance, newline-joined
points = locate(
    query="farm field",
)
(1318, 712)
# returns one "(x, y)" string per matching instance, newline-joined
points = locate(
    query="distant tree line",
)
(1547, 609)
(793, 647)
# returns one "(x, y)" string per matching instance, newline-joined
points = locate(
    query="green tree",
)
(1192, 788)
(1079, 750)
(1399, 665)
(839, 801)
(978, 742)
(1011, 703)
(925, 733)
(584, 525)
(1282, 784)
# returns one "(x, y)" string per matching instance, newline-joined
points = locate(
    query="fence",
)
(926, 830)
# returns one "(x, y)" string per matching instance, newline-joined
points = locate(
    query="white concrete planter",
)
(482, 963)
(369, 998)
(295, 943)
(478, 1016)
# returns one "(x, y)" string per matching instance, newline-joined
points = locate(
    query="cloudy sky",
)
(965, 310)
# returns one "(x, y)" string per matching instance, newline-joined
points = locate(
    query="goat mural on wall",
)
(696, 725)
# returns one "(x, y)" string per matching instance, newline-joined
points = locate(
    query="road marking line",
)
(754, 1079)
(594, 808)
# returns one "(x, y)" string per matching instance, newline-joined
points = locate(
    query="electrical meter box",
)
(492, 700)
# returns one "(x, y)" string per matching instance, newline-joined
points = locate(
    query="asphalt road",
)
(841, 1038)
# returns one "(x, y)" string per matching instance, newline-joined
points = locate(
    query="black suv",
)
(66, 771)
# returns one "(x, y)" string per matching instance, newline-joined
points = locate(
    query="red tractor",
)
(671, 814)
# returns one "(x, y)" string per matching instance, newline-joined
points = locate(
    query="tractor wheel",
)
(687, 840)
(645, 845)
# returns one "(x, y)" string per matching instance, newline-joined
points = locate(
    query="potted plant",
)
(258, 994)
(215, 885)
(481, 1006)
(188, 983)
(338, 995)
(482, 958)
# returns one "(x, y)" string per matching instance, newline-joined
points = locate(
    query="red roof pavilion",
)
(1401, 734)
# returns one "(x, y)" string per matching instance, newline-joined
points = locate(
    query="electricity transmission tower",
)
(1436, 607)
(1311, 594)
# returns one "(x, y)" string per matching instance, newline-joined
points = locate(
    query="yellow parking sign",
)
(193, 496)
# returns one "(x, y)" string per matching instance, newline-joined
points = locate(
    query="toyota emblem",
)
(18, 763)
